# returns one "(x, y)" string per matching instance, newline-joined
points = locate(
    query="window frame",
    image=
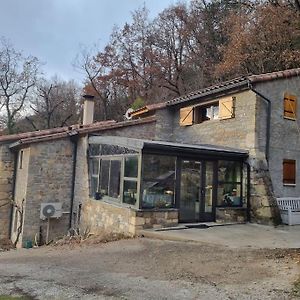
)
(197, 116)
(289, 161)
(238, 183)
(151, 179)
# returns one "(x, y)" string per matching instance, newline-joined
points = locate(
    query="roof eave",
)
(240, 86)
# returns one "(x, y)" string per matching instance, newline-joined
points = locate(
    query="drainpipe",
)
(13, 192)
(248, 192)
(74, 140)
(268, 129)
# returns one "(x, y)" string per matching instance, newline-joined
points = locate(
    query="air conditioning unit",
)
(51, 210)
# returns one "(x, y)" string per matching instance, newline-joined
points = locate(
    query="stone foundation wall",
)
(231, 214)
(6, 187)
(99, 216)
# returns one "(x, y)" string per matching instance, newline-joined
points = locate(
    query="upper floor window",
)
(290, 106)
(289, 171)
(222, 109)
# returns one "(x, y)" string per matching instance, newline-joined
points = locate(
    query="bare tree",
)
(18, 75)
(56, 104)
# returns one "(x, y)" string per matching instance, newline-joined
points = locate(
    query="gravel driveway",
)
(148, 269)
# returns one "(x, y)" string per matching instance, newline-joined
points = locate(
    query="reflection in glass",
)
(114, 182)
(158, 181)
(104, 177)
(94, 166)
(229, 171)
(158, 166)
(209, 186)
(130, 192)
(190, 190)
(229, 194)
(131, 166)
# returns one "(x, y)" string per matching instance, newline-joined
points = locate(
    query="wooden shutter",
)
(226, 108)
(290, 106)
(289, 171)
(186, 116)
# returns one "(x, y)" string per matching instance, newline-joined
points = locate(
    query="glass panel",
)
(159, 181)
(190, 190)
(114, 182)
(130, 192)
(114, 150)
(245, 185)
(95, 166)
(229, 171)
(104, 176)
(94, 185)
(131, 166)
(229, 194)
(209, 187)
(94, 149)
(158, 194)
(158, 166)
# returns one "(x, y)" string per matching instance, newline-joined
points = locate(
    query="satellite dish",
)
(128, 112)
(49, 211)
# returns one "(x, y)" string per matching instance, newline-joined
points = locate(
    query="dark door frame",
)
(203, 216)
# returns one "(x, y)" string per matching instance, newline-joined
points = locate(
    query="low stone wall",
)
(156, 218)
(98, 216)
(231, 214)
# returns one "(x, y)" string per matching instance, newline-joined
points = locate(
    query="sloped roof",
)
(52, 131)
(169, 147)
(57, 133)
(148, 108)
(236, 83)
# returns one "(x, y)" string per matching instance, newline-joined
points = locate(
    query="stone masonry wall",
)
(49, 180)
(237, 132)
(6, 186)
(99, 216)
(91, 214)
(285, 133)
(240, 132)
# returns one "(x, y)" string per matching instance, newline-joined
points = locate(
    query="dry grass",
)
(6, 245)
(89, 239)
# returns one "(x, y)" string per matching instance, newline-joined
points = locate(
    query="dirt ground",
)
(149, 269)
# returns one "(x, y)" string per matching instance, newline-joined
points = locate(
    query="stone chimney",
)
(88, 109)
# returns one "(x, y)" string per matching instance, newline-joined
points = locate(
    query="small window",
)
(206, 113)
(289, 171)
(290, 106)
(222, 109)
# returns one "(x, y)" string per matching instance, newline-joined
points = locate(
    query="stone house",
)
(223, 153)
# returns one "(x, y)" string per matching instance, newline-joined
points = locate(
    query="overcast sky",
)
(53, 30)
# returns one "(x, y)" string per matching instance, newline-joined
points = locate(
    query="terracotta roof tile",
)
(238, 82)
(76, 129)
(52, 131)
(148, 108)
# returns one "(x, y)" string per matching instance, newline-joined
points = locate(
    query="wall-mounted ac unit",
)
(51, 210)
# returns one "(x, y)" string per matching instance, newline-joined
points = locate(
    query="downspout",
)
(74, 140)
(13, 192)
(268, 129)
(248, 192)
